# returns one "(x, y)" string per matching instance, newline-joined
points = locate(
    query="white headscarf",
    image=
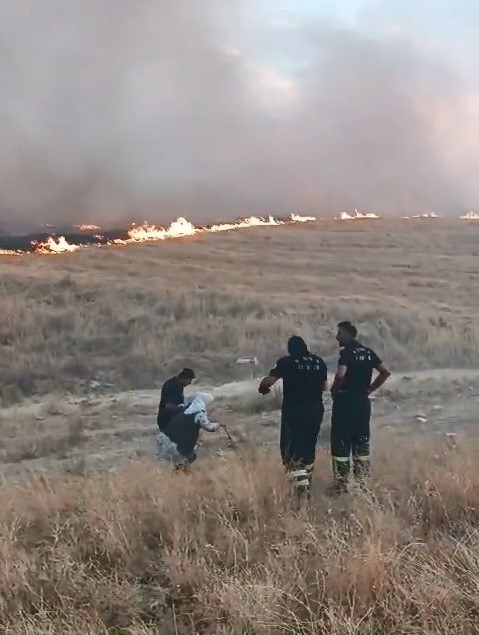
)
(199, 403)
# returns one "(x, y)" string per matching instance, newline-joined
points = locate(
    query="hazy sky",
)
(133, 109)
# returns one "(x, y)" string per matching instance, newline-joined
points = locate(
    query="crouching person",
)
(176, 443)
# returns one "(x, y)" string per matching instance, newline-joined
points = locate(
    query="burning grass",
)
(223, 550)
(180, 228)
(126, 318)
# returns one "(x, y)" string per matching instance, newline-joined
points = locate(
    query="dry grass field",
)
(94, 539)
(127, 316)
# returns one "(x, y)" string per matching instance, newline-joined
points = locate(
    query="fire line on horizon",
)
(181, 228)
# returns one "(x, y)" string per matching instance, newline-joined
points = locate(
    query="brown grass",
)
(224, 551)
(34, 444)
(129, 316)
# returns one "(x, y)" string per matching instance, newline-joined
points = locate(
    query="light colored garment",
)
(198, 406)
(198, 402)
(166, 449)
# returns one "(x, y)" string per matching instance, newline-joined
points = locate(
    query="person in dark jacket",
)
(304, 378)
(172, 396)
(176, 442)
(351, 412)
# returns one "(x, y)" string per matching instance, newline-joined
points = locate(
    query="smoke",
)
(133, 109)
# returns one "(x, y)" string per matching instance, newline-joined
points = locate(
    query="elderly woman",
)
(176, 443)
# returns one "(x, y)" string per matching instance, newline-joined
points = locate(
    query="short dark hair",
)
(297, 346)
(348, 327)
(186, 373)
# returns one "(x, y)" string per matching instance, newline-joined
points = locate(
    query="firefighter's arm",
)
(272, 377)
(383, 374)
(266, 383)
(323, 385)
(339, 379)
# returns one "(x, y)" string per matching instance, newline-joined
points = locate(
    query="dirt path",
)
(101, 432)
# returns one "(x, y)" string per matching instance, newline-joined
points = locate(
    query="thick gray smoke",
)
(137, 109)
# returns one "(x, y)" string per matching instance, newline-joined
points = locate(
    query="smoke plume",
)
(134, 109)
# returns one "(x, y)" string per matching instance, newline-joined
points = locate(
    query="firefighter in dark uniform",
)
(351, 413)
(304, 378)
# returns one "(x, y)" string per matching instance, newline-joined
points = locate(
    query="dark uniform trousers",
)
(300, 426)
(350, 433)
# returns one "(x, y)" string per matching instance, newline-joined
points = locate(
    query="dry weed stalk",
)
(223, 550)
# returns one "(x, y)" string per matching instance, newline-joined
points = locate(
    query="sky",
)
(135, 109)
(446, 28)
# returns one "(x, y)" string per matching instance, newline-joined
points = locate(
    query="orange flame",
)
(54, 246)
(182, 228)
(179, 228)
(9, 252)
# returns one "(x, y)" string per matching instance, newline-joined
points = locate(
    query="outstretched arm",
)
(272, 377)
(383, 374)
(266, 383)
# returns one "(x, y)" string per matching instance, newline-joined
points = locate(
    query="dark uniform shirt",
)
(172, 392)
(303, 378)
(360, 362)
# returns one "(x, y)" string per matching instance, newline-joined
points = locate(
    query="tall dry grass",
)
(224, 550)
(128, 317)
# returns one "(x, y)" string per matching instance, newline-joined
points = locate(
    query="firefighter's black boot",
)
(361, 469)
(341, 467)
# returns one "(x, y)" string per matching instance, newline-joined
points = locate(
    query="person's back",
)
(360, 362)
(302, 375)
(172, 396)
(304, 378)
(351, 411)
